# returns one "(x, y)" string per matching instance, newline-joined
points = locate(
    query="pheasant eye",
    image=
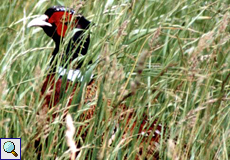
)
(63, 19)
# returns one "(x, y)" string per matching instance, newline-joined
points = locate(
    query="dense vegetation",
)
(168, 59)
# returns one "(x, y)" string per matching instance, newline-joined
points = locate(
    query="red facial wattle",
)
(60, 19)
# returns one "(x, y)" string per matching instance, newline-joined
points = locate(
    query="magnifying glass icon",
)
(9, 147)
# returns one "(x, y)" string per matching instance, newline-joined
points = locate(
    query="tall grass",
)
(184, 82)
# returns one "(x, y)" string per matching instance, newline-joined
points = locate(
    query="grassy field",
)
(172, 55)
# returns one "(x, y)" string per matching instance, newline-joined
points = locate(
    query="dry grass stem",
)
(69, 136)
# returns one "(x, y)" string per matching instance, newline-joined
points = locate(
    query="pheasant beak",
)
(40, 21)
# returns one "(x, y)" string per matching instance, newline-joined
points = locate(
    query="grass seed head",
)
(154, 38)
(205, 41)
(224, 23)
(121, 30)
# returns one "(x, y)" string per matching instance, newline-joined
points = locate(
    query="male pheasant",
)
(55, 23)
